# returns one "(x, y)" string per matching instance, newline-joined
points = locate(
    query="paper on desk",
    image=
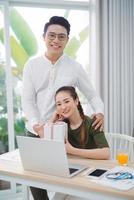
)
(123, 185)
(11, 156)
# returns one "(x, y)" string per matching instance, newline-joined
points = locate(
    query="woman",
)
(83, 140)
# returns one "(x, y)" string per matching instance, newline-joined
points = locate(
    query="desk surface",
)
(78, 185)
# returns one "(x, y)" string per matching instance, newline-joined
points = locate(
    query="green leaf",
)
(74, 44)
(84, 34)
(72, 47)
(17, 72)
(18, 53)
(19, 125)
(3, 125)
(23, 32)
(2, 35)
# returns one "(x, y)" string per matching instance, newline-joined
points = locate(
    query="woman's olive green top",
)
(96, 138)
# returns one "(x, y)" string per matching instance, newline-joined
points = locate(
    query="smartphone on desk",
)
(96, 173)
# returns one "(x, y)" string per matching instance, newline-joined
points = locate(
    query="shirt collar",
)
(59, 60)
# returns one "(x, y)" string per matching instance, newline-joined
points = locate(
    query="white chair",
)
(117, 140)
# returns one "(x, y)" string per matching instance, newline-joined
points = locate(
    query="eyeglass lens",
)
(61, 36)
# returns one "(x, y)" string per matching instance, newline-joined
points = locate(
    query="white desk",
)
(78, 185)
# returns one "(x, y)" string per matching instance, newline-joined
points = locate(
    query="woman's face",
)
(65, 104)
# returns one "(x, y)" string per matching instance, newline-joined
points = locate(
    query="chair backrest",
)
(117, 140)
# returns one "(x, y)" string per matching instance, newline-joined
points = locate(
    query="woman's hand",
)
(56, 117)
(98, 121)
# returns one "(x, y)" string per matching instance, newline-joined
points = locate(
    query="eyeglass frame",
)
(119, 176)
(57, 35)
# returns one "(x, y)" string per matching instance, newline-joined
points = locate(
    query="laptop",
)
(46, 156)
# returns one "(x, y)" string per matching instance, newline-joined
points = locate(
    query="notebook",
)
(46, 156)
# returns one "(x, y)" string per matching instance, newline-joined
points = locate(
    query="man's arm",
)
(29, 99)
(85, 86)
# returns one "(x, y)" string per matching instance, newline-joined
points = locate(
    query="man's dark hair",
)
(57, 20)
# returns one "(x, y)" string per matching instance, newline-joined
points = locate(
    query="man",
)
(45, 74)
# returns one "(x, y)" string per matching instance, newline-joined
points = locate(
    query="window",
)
(4, 185)
(3, 105)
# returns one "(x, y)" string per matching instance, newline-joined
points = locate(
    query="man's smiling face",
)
(56, 39)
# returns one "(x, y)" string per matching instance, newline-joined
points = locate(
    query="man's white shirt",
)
(41, 79)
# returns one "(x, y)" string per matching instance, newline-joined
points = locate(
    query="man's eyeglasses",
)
(52, 36)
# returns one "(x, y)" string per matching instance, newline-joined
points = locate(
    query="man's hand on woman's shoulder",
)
(98, 121)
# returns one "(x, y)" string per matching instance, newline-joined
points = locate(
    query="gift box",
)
(55, 131)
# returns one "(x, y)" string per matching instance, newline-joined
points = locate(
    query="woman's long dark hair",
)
(83, 132)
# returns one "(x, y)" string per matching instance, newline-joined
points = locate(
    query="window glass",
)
(3, 106)
(39, 16)
(4, 185)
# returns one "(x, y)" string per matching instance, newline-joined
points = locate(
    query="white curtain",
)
(116, 63)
